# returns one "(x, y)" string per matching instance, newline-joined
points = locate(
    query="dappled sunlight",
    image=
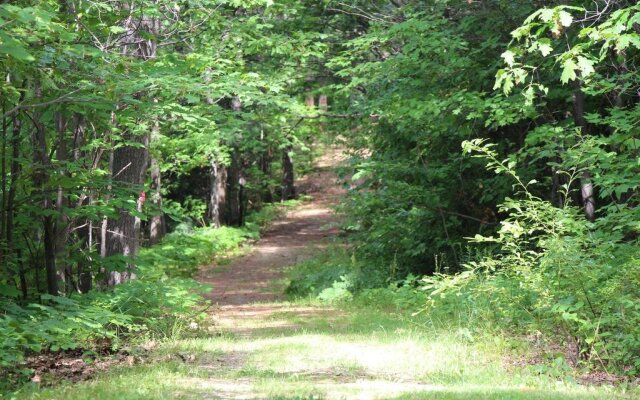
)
(237, 389)
(330, 388)
(312, 212)
(268, 249)
(400, 360)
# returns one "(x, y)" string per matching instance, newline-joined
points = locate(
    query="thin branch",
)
(46, 103)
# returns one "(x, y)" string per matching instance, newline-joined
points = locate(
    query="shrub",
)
(556, 273)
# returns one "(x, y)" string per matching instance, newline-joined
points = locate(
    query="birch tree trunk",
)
(217, 193)
(288, 179)
(157, 227)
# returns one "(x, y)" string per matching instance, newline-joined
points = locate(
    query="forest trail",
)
(266, 347)
(249, 288)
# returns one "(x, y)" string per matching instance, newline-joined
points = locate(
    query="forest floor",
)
(262, 346)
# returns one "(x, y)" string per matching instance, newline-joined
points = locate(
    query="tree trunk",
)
(85, 231)
(217, 193)
(234, 172)
(323, 103)
(3, 199)
(40, 179)
(310, 101)
(123, 234)
(234, 214)
(288, 179)
(130, 162)
(62, 227)
(13, 185)
(586, 185)
(265, 168)
(157, 223)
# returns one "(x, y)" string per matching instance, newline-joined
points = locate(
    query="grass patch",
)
(333, 354)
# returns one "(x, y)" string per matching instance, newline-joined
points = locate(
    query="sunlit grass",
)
(308, 351)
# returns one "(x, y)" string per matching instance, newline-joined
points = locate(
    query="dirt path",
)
(242, 290)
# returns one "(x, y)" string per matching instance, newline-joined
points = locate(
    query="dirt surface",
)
(257, 277)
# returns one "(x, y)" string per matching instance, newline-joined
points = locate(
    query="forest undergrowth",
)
(383, 346)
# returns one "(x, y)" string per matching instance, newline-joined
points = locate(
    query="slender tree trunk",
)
(157, 223)
(13, 185)
(233, 216)
(41, 178)
(288, 179)
(48, 236)
(85, 230)
(62, 227)
(217, 193)
(323, 103)
(3, 198)
(309, 101)
(586, 185)
(234, 172)
(265, 168)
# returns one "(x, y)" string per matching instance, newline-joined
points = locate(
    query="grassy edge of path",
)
(307, 350)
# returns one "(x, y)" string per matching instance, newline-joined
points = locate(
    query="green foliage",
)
(556, 273)
(404, 297)
(415, 197)
(269, 212)
(335, 276)
(313, 276)
(61, 324)
(181, 253)
(338, 292)
(552, 217)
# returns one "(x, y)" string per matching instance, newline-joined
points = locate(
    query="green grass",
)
(303, 350)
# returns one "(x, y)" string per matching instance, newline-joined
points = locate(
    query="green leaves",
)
(544, 46)
(14, 49)
(568, 71)
(565, 18)
(509, 57)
